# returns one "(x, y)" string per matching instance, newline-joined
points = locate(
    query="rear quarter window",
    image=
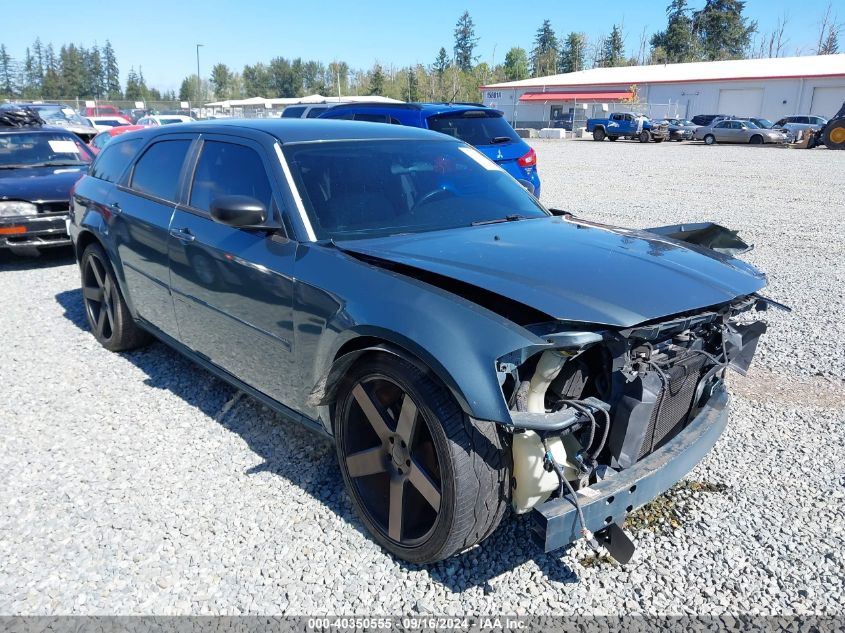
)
(114, 159)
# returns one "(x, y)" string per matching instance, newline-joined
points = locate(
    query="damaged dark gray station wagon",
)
(467, 349)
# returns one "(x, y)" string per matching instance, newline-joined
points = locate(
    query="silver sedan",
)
(737, 131)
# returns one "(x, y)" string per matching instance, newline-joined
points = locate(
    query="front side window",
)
(157, 171)
(476, 127)
(113, 160)
(227, 169)
(42, 149)
(367, 188)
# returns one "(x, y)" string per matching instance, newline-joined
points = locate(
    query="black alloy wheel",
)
(107, 312)
(426, 480)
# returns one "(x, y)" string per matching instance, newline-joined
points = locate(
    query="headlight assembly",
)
(14, 208)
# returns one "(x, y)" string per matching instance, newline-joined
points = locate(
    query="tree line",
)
(716, 30)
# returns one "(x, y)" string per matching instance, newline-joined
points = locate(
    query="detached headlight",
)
(13, 208)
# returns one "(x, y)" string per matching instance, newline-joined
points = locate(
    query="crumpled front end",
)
(609, 419)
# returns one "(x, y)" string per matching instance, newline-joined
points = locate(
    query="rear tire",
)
(709, 139)
(108, 315)
(599, 134)
(402, 439)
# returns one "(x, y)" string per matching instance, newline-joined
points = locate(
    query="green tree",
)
(613, 49)
(724, 33)
(573, 53)
(30, 83)
(285, 77)
(516, 64)
(133, 92)
(678, 43)
(545, 52)
(221, 81)
(337, 76)
(111, 73)
(256, 80)
(38, 56)
(52, 85)
(7, 73)
(441, 63)
(465, 42)
(376, 80)
(72, 71)
(94, 73)
(830, 46)
(413, 84)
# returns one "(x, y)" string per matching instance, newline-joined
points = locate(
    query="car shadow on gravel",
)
(308, 461)
(47, 258)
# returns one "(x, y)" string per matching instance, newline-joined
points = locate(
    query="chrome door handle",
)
(114, 207)
(183, 235)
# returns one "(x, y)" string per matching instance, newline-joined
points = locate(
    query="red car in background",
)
(106, 110)
(103, 138)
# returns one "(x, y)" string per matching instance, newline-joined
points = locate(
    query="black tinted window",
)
(113, 160)
(372, 118)
(226, 169)
(157, 172)
(313, 113)
(476, 127)
(293, 112)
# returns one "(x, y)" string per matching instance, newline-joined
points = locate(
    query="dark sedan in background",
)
(393, 287)
(38, 168)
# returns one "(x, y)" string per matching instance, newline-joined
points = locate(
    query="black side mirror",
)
(526, 185)
(241, 211)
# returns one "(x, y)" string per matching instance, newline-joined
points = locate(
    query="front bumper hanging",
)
(555, 523)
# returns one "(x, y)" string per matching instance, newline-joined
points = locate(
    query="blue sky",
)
(160, 36)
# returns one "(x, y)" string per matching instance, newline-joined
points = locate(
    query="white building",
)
(770, 88)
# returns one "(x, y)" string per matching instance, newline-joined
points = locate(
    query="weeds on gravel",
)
(666, 513)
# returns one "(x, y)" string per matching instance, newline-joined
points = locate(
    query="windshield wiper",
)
(500, 139)
(508, 218)
(57, 163)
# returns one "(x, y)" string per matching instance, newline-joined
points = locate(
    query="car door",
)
(142, 209)
(233, 287)
(722, 131)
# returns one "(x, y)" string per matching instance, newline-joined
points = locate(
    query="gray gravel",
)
(137, 483)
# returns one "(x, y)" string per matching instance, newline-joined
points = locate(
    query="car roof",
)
(426, 108)
(302, 130)
(40, 129)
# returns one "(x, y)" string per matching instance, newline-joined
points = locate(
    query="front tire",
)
(756, 140)
(108, 315)
(644, 136)
(426, 480)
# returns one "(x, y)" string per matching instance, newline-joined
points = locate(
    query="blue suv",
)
(482, 127)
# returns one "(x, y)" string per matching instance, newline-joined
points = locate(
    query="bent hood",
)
(574, 271)
(35, 184)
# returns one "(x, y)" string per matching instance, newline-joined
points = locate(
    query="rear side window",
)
(372, 118)
(157, 171)
(114, 158)
(476, 127)
(293, 112)
(227, 169)
(313, 113)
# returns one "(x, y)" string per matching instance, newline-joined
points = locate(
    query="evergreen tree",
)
(221, 79)
(376, 80)
(413, 84)
(133, 86)
(30, 84)
(516, 64)
(111, 73)
(52, 85)
(441, 64)
(573, 53)
(38, 55)
(72, 69)
(545, 52)
(612, 52)
(7, 73)
(94, 73)
(465, 42)
(723, 31)
(830, 46)
(678, 42)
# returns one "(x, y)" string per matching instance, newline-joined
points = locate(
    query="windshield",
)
(39, 149)
(59, 115)
(168, 121)
(357, 189)
(476, 127)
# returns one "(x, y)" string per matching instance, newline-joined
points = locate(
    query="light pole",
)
(199, 83)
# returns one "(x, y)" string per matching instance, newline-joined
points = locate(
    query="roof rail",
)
(378, 104)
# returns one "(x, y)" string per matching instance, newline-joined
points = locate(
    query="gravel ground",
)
(137, 483)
